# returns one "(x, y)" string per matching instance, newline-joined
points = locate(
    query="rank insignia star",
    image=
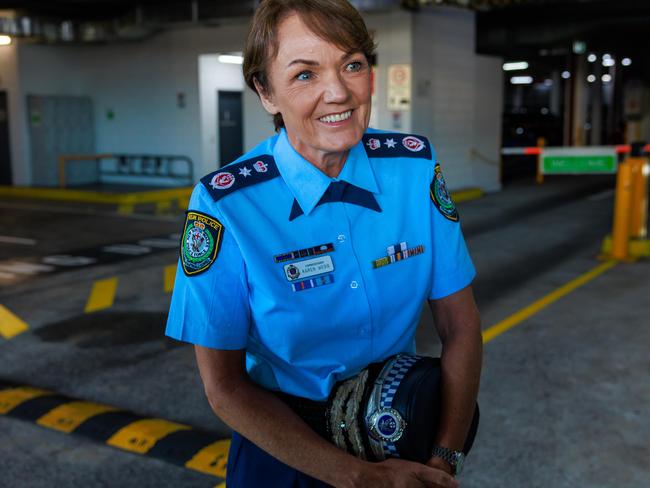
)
(390, 143)
(245, 172)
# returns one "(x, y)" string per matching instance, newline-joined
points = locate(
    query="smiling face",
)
(322, 92)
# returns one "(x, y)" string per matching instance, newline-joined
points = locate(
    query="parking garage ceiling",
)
(508, 28)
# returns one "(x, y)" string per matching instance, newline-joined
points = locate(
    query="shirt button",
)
(354, 285)
(341, 238)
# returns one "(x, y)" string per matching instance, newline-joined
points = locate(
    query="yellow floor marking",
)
(221, 485)
(170, 276)
(12, 397)
(125, 209)
(10, 325)
(150, 196)
(461, 196)
(544, 302)
(212, 459)
(102, 295)
(142, 435)
(69, 416)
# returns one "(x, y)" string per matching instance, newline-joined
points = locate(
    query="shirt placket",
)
(356, 285)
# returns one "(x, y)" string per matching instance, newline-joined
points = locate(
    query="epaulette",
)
(395, 145)
(240, 175)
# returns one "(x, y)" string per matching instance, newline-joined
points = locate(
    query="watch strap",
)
(451, 457)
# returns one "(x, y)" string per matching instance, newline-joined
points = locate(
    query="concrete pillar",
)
(580, 99)
(556, 93)
(596, 99)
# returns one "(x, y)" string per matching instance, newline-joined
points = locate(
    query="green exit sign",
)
(579, 161)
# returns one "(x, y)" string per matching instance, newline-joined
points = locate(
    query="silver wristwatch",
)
(455, 459)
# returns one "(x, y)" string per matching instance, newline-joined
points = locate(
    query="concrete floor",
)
(562, 398)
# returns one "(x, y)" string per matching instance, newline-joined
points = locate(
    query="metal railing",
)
(180, 168)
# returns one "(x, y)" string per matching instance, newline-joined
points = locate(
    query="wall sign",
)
(399, 87)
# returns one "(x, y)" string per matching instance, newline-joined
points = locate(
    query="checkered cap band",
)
(391, 383)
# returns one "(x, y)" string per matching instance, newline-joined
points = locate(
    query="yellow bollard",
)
(622, 210)
(539, 178)
(639, 210)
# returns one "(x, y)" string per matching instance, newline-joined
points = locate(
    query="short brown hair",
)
(335, 21)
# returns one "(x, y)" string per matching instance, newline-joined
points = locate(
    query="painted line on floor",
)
(85, 211)
(460, 196)
(172, 442)
(10, 324)
(169, 275)
(22, 241)
(523, 314)
(102, 295)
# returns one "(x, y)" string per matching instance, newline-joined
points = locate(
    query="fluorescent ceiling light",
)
(231, 59)
(591, 78)
(5, 40)
(608, 62)
(626, 62)
(521, 80)
(566, 75)
(592, 58)
(515, 66)
(606, 78)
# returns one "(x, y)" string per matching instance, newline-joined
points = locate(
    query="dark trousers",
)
(251, 467)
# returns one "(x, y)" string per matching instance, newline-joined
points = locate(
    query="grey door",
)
(231, 129)
(61, 125)
(5, 154)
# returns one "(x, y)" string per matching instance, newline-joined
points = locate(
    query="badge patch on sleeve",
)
(200, 243)
(440, 196)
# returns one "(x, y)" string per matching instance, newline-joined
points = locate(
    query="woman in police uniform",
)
(310, 256)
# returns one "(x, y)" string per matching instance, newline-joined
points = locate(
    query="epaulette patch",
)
(240, 175)
(386, 145)
(440, 196)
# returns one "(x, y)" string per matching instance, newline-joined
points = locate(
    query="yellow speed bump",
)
(10, 324)
(12, 397)
(212, 459)
(69, 416)
(142, 435)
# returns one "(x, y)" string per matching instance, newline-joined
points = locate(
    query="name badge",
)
(308, 268)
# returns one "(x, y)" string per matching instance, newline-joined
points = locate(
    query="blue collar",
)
(308, 183)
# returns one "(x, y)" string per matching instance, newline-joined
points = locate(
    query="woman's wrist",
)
(439, 463)
(353, 473)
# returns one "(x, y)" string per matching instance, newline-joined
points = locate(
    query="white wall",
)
(393, 35)
(457, 97)
(456, 94)
(258, 124)
(214, 76)
(139, 82)
(485, 156)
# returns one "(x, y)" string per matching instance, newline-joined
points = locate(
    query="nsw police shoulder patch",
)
(200, 242)
(440, 196)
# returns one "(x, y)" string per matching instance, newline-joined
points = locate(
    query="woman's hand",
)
(397, 473)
